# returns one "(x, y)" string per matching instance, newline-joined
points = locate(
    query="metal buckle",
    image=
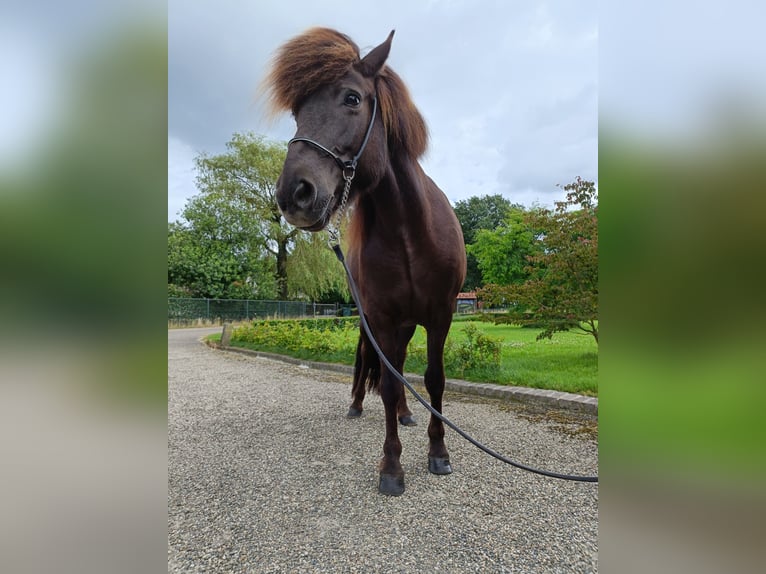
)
(349, 171)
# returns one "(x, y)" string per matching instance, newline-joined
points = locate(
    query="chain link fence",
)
(188, 311)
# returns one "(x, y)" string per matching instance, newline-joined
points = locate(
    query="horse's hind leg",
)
(367, 367)
(361, 369)
(403, 336)
(438, 457)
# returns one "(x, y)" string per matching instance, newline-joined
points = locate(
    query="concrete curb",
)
(556, 399)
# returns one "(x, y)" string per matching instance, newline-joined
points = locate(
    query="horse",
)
(358, 141)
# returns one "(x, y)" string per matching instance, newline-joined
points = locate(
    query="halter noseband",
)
(348, 167)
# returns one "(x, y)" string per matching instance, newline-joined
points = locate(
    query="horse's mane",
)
(321, 56)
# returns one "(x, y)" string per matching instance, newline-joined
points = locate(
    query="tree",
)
(313, 271)
(474, 214)
(216, 253)
(246, 175)
(562, 290)
(501, 254)
(243, 247)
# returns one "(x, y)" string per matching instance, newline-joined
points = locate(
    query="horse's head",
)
(332, 95)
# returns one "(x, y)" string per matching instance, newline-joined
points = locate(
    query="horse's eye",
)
(352, 99)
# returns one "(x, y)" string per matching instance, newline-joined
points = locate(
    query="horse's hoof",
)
(391, 485)
(439, 465)
(353, 413)
(408, 421)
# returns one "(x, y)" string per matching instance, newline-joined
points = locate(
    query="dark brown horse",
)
(355, 119)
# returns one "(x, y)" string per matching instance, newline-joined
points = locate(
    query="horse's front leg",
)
(391, 471)
(438, 457)
(392, 392)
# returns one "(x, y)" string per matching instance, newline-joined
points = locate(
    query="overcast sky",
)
(508, 89)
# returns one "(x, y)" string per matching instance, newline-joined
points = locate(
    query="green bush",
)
(478, 354)
(332, 339)
(321, 339)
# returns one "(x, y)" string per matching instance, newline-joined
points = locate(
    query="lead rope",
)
(335, 246)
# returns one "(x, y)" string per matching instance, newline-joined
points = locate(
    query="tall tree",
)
(501, 253)
(246, 175)
(236, 212)
(218, 252)
(314, 273)
(562, 290)
(474, 214)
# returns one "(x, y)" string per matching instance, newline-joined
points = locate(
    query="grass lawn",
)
(568, 362)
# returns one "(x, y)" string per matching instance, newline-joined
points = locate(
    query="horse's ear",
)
(373, 62)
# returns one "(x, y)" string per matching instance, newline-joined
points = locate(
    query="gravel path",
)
(265, 474)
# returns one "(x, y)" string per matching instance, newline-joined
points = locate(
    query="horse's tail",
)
(367, 364)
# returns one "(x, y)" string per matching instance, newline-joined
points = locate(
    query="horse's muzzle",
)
(303, 206)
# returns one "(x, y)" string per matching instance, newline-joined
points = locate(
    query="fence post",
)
(226, 335)
(208, 308)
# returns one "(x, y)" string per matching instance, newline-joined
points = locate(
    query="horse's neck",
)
(397, 206)
(404, 232)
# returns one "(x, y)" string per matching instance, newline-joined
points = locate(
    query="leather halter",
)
(348, 167)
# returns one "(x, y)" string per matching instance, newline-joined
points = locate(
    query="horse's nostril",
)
(304, 194)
